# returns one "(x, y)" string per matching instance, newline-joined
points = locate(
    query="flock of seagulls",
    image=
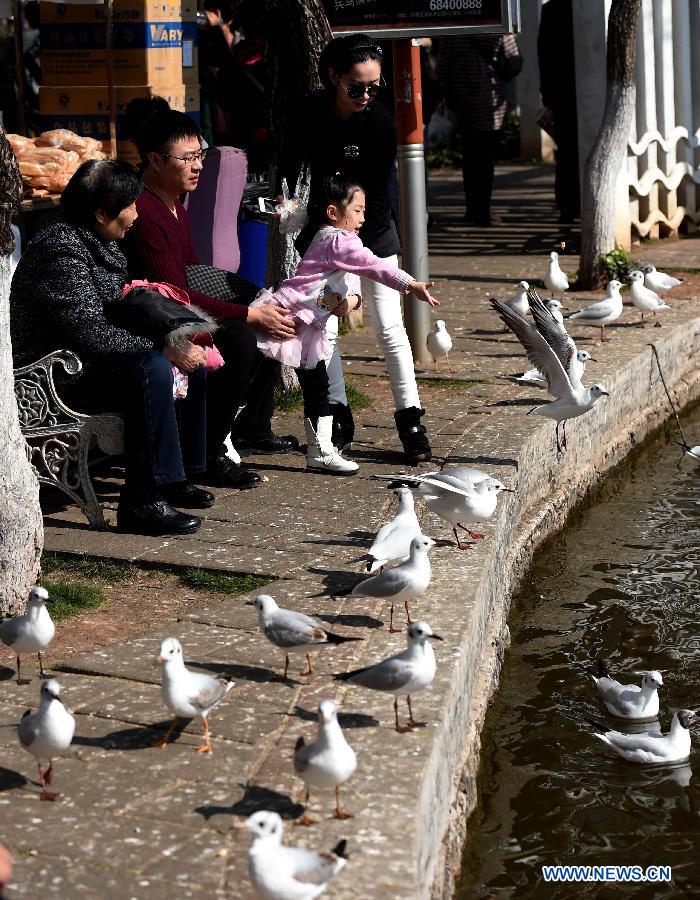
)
(398, 570)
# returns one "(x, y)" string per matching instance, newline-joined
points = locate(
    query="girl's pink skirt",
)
(309, 346)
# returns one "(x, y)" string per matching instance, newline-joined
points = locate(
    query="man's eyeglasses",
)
(188, 160)
(357, 89)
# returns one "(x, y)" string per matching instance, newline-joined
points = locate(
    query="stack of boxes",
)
(154, 52)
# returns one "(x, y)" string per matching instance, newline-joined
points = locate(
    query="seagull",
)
(652, 747)
(287, 873)
(47, 732)
(627, 701)
(393, 540)
(30, 633)
(327, 762)
(534, 376)
(404, 674)
(601, 313)
(644, 299)
(188, 694)
(460, 495)
(659, 281)
(439, 343)
(572, 398)
(293, 631)
(518, 302)
(555, 279)
(555, 307)
(404, 582)
(692, 451)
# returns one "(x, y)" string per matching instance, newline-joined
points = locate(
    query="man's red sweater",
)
(160, 248)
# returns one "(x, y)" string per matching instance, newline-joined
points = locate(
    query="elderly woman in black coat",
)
(67, 277)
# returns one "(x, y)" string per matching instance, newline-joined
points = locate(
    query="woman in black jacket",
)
(341, 130)
(67, 276)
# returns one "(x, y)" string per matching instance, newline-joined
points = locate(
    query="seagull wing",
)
(387, 584)
(27, 730)
(9, 631)
(311, 867)
(556, 336)
(289, 628)
(208, 691)
(538, 350)
(390, 675)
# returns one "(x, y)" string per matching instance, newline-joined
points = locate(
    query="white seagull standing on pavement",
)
(404, 582)
(287, 873)
(188, 694)
(555, 280)
(439, 343)
(644, 299)
(327, 762)
(30, 633)
(392, 543)
(652, 747)
(47, 732)
(404, 674)
(572, 398)
(628, 701)
(601, 313)
(659, 281)
(293, 631)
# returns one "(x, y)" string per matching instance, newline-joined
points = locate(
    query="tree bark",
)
(21, 526)
(607, 157)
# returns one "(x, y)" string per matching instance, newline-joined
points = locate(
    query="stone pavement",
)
(137, 821)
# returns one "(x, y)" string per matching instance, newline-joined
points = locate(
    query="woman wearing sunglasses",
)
(344, 130)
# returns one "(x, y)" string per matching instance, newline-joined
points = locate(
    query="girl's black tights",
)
(314, 386)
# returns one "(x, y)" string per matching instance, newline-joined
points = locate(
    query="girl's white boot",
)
(321, 455)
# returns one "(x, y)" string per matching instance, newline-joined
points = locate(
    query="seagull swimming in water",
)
(628, 701)
(439, 343)
(30, 633)
(559, 366)
(652, 747)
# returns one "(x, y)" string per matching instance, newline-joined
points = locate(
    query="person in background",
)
(473, 71)
(215, 40)
(5, 868)
(160, 248)
(555, 53)
(71, 271)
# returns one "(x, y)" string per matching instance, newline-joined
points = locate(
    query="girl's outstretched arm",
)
(420, 290)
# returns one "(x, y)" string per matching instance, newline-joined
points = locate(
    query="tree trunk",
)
(21, 526)
(607, 157)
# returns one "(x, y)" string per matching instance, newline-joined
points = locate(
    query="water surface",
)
(622, 583)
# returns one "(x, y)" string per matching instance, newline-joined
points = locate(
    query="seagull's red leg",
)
(392, 630)
(460, 545)
(21, 680)
(476, 535)
(309, 669)
(339, 813)
(409, 620)
(48, 774)
(41, 665)
(411, 721)
(286, 667)
(306, 819)
(206, 746)
(603, 339)
(164, 742)
(449, 364)
(402, 729)
(46, 794)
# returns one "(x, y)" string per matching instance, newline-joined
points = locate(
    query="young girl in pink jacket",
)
(327, 282)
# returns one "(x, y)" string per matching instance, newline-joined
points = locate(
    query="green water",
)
(621, 582)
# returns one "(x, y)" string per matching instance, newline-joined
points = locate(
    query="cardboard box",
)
(85, 110)
(123, 11)
(143, 52)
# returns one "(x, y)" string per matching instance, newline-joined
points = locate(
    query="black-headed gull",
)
(287, 873)
(188, 694)
(534, 376)
(555, 280)
(327, 762)
(393, 540)
(602, 312)
(519, 302)
(293, 631)
(652, 747)
(47, 732)
(659, 281)
(31, 632)
(403, 582)
(644, 299)
(555, 308)
(439, 344)
(403, 674)
(629, 701)
(571, 400)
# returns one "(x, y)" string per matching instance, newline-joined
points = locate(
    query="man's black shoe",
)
(186, 494)
(223, 472)
(265, 443)
(156, 517)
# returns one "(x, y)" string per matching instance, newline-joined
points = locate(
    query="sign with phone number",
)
(421, 18)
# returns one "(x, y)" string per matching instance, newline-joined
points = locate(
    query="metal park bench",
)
(58, 438)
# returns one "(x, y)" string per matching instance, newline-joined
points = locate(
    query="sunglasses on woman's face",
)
(357, 89)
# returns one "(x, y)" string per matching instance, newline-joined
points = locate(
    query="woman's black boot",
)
(343, 426)
(413, 435)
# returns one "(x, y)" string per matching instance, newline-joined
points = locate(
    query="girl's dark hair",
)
(107, 184)
(333, 189)
(344, 52)
(154, 127)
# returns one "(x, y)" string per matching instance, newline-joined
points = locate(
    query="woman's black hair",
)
(107, 184)
(154, 127)
(333, 189)
(344, 52)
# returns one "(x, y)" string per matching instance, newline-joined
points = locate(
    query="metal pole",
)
(414, 224)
